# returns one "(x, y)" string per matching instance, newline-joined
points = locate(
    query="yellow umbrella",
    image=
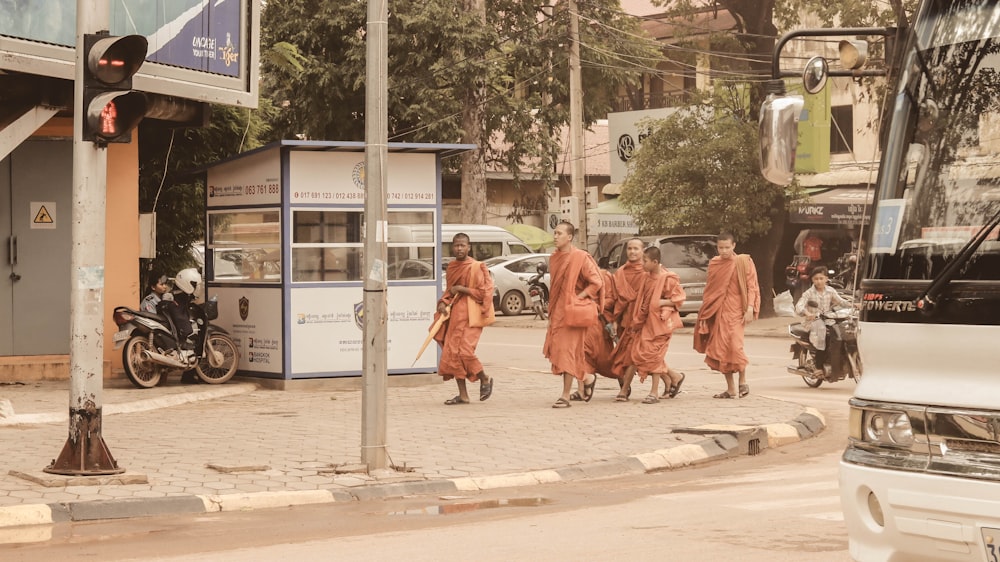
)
(534, 237)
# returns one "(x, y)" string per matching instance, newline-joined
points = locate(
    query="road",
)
(780, 505)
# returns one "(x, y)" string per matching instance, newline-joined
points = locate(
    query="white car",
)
(510, 277)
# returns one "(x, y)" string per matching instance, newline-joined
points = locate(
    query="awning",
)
(609, 218)
(841, 205)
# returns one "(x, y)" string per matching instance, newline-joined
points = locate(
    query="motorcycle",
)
(538, 293)
(840, 365)
(797, 275)
(150, 350)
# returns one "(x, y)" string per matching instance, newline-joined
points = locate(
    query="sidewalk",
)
(201, 448)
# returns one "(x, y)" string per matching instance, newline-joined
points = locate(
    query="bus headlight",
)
(881, 427)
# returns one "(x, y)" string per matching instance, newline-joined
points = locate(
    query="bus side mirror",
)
(779, 137)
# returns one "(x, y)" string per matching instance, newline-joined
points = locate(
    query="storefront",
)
(284, 254)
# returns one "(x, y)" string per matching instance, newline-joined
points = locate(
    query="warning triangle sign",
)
(43, 216)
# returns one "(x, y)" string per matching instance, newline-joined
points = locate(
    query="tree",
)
(474, 71)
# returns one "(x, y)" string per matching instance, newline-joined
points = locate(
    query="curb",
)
(720, 442)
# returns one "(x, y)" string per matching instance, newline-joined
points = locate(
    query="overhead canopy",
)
(608, 217)
(842, 205)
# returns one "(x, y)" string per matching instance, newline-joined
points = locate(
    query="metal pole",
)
(85, 452)
(374, 374)
(577, 163)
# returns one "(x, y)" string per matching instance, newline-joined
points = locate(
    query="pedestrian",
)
(469, 284)
(574, 286)
(628, 282)
(731, 301)
(656, 316)
(157, 285)
(599, 343)
(815, 300)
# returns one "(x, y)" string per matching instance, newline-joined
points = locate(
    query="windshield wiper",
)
(927, 301)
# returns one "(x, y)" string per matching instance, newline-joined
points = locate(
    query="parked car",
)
(410, 269)
(687, 255)
(510, 278)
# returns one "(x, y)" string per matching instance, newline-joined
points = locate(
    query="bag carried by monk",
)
(480, 315)
(580, 313)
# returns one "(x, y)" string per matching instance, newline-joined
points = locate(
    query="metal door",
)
(35, 208)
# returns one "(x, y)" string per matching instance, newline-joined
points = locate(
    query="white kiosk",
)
(283, 253)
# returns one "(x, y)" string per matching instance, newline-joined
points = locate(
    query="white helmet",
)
(187, 280)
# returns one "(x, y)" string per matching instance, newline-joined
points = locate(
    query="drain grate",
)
(753, 447)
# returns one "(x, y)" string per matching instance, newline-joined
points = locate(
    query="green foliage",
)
(170, 185)
(698, 172)
(442, 57)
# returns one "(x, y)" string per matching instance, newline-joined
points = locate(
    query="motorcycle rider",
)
(176, 306)
(816, 300)
(158, 286)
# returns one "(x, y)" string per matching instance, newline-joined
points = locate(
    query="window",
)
(245, 246)
(328, 245)
(841, 129)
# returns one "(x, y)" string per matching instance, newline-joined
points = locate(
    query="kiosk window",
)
(245, 246)
(328, 245)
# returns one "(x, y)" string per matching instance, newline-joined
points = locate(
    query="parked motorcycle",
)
(538, 293)
(151, 351)
(797, 275)
(846, 363)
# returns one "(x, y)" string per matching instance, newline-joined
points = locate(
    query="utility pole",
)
(374, 373)
(577, 163)
(85, 452)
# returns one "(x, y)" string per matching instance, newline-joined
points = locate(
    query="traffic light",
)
(110, 108)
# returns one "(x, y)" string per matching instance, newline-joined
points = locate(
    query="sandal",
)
(651, 399)
(675, 389)
(561, 403)
(576, 397)
(588, 390)
(744, 390)
(621, 398)
(486, 390)
(724, 394)
(455, 400)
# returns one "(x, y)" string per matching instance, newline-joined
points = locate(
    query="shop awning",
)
(840, 205)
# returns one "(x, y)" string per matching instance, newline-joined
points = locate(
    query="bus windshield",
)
(941, 168)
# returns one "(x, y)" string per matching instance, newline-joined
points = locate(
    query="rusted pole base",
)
(85, 453)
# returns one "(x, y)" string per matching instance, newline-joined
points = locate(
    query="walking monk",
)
(731, 301)
(573, 274)
(628, 284)
(655, 317)
(469, 284)
(598, 345)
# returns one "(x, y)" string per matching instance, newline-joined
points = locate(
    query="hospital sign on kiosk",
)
(284, 254)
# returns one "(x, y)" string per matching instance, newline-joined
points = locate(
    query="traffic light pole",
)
(85, 452)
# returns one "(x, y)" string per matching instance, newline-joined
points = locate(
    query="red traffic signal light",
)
(110, 108)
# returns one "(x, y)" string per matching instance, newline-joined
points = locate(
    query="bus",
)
(920, 475)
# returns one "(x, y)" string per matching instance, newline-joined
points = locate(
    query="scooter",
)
(538, 293)
(846, 363)
(797, 277)
(150, 350)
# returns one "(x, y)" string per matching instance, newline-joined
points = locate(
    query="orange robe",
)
(650, 349)
(628, 284)
(564, 344)
(597, 345)
(459, 340)
(719, 332)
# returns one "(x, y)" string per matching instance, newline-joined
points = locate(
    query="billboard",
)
(205, 50)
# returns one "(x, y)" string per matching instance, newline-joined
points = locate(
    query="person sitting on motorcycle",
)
(158, 285)
(177, 303)
(816, 300)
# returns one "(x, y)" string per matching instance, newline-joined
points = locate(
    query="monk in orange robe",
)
(598, 346)
(573, 274)
(655, 317)
(731, 301)
(628, 280)
(469, 284)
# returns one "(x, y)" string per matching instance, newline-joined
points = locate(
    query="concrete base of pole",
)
(85, 453)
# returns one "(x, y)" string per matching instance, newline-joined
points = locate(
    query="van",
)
(487, 241)
(687, 255)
